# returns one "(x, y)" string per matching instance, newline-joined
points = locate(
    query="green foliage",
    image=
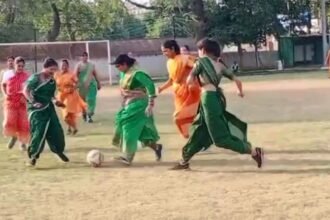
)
(234, 21)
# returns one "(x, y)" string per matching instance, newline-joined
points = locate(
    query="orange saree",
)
(187, 97)
(68, 94)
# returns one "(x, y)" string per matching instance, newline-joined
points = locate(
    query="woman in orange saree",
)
(68, 94)
(187, 97)
(15, 124)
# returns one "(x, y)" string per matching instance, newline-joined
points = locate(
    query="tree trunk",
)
(56, 27)
(11, 14)
(240, 54)
(72, 34)
(200, 26)
(256, 54)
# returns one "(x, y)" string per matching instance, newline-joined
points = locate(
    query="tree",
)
(56, 25)
(192, 9)
(115, 22)
(247, 22)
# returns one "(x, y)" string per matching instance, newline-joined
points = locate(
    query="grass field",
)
(289, 115)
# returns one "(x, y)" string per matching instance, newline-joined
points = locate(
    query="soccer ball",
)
(95, 158)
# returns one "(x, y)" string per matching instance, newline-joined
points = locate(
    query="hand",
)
(59, 104)
(160, 90)
(149, 111)
(37, 105)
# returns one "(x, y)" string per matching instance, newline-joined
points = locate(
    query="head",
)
(84, 57)
(65, 65)
(50, 66)
(170, 49)
(185, 50)
(19, 64)
(208, 47)
(123, 63)
(10, 62)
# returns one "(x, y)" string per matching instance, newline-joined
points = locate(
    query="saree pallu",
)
(88, 92)
(15, 122)
(187, 97)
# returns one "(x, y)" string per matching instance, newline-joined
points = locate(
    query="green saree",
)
(132, 124)
(213, 124)
(44, 123)
(88, 93)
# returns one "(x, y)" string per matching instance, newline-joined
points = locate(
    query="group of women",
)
(200, 105)
(29, 113)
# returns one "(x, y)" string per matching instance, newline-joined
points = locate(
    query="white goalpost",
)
(34, 53)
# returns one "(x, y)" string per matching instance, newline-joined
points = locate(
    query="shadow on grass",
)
(272, 167)
(268, 152)
(325, 170)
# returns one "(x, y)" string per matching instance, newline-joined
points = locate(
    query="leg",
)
(23, 127)
(74, 123)
(199, 140)
(118, 134)
(226, 130)
(130, 142)
(131, 132)
(12, 142)
(10, 122)
(218, 123)
(149, 137)
(70, 120)
(55, 137)
(158, 149)
(39, 128)
(91, 101)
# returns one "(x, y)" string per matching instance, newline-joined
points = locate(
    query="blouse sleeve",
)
(197, 69)
(32, 82)
(6, 75)
(227, 73)
(147, 82)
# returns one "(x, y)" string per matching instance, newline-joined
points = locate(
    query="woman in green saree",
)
(213, 124)
(88, 85)
(134, 122)
(44, 123)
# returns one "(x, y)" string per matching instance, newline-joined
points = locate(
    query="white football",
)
(95, 158)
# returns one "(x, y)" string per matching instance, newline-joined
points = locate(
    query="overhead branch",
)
(142, 5)
(56, 26)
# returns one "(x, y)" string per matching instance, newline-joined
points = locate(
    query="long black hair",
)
(172, 45)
